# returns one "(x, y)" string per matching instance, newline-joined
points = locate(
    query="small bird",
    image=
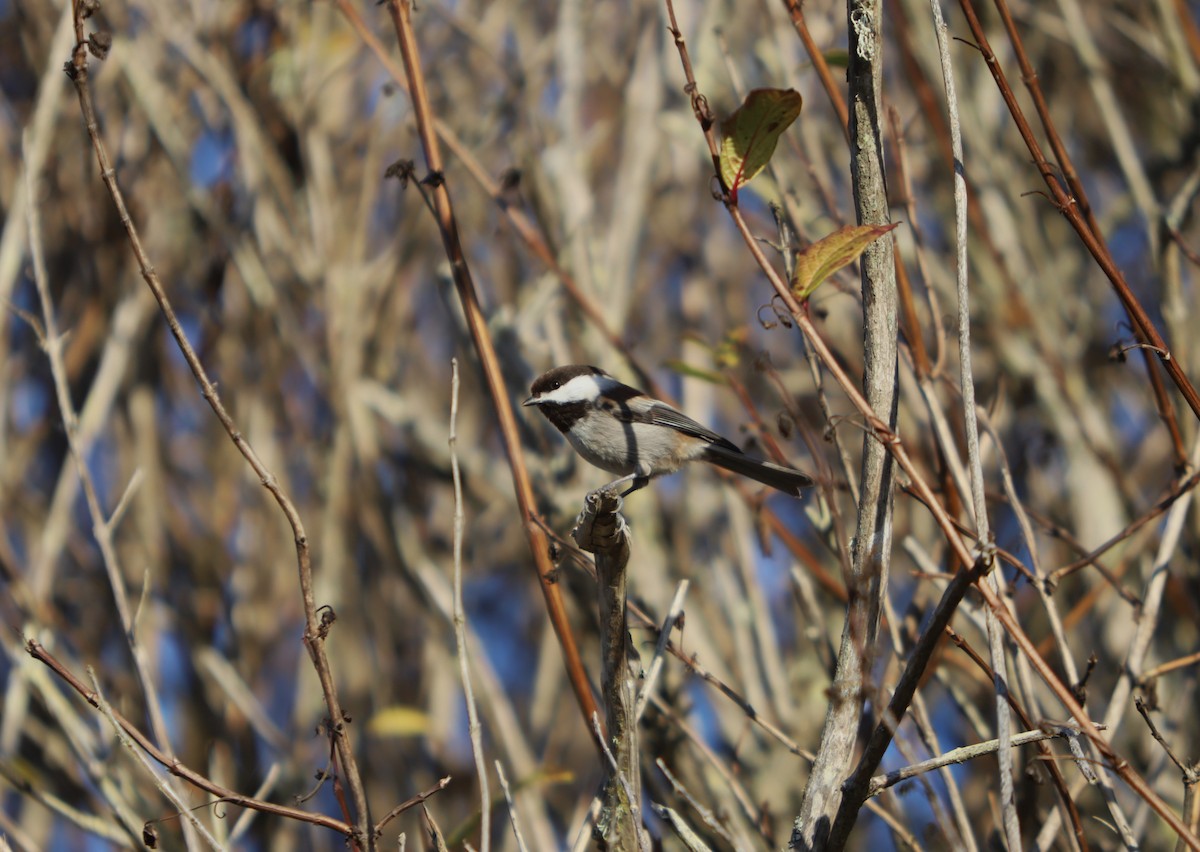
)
(623, 431)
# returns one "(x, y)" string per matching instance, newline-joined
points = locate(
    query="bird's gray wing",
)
(661, 414)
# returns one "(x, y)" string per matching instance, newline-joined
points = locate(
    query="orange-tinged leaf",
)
(749, 135)
(826, 256)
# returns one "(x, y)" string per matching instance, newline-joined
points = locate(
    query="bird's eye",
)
(555, 385)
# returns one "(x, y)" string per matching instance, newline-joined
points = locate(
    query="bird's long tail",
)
(785, 479)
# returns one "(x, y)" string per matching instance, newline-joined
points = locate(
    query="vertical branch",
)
(512, 810)
(1069, 207)
(102, 528)
(855, 791)
(1008, 805)
(601, 530)
(674, 615)
(460, 625)
(871, 549)
(316, 629)
(401, 12)
(795, 10)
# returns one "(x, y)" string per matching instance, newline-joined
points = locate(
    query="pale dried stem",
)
(315, 632)
(474, 729)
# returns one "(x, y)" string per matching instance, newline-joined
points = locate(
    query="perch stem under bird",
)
(624, 431)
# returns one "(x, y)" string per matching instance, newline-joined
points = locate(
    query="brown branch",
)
(795, 11)
(525, 228)
(418, 799)
(1069, 206)
(1055, 577)
(401, 12)
(601, 530)
(896, 447)
(315, 631)
(173, 766)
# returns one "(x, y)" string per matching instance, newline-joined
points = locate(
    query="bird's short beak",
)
(533, 400)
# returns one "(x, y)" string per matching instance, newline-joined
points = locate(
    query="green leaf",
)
(838, 58)
(688, 370)
(749, 135)
(826, 256)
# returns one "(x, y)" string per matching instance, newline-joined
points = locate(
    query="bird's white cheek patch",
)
(579, 389)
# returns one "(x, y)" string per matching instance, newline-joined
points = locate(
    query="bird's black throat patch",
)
(566, 414)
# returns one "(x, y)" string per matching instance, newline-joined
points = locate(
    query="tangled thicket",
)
(251, 141)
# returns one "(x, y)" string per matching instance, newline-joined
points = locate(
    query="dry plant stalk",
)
(601, 531)
(211, 288)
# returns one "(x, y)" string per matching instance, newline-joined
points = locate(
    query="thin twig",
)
(1188, 772)
(921, 488)
(401, 13)
(512, 810)
(1008, 805)
(682, 830)
(1172, 665)
(39, 653)
(410, 803)
(674, 613)
(164, 786)
(1178, 490)
(958, 755)
(474, 728)
(705, 814)
(315, 632)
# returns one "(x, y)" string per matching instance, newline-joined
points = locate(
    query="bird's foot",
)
(601, 523)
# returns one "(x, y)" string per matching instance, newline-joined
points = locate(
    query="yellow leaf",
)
(826, 256)
(749, 135)
(399, 721)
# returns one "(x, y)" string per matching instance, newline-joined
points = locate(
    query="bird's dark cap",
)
(559, 376)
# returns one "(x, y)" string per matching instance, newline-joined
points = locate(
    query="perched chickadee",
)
(622, 430)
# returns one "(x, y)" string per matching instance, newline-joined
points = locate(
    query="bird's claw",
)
(601, 519)
(605, 500)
